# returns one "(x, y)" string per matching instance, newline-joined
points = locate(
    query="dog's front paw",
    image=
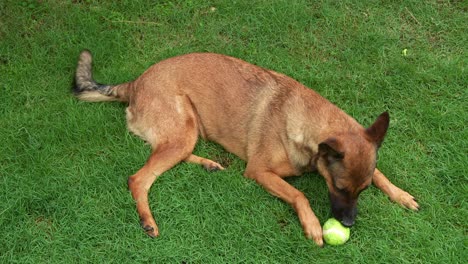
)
(314, 232)
(407, 200)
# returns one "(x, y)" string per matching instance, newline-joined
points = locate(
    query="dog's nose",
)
(347, 222)
(349, 217)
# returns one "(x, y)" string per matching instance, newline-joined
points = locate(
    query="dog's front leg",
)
(396, 194)
(280, 188)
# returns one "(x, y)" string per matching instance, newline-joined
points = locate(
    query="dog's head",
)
(347, 162)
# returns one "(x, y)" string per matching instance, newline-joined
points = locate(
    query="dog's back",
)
(234, 101)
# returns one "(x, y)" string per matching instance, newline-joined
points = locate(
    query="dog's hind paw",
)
(150, 230)
(208, 164)
(212, 166)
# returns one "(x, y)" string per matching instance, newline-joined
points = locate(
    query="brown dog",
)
(280, 127)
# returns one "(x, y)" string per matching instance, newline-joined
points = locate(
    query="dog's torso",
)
(245, 108)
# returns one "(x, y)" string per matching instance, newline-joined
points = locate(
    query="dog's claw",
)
(317, 239)
(319, 242)
(415, 207)
(151, 231)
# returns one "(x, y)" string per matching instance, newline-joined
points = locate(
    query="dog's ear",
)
(330, 149)
(376, 132)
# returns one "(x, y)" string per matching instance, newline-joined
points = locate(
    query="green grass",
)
(64, 163)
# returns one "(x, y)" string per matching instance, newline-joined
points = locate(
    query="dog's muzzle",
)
(343, 209)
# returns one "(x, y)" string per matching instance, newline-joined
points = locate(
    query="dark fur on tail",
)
(87, 89)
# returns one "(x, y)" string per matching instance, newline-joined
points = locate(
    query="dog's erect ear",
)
(377, 131)
(330, 149)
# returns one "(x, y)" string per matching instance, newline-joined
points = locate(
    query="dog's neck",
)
(314, 122)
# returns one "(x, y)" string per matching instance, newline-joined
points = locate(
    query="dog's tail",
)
(87, 89)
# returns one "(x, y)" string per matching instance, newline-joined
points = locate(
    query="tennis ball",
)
(334, 233)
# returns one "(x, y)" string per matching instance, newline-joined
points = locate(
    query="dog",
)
(277, 125)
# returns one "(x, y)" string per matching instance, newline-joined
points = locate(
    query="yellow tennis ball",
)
(334, 233)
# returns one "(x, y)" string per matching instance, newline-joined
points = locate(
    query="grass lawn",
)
(64, 163)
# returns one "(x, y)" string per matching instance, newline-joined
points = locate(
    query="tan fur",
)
(92, 96)
(280, 127)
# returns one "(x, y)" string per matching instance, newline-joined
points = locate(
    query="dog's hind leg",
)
(162, 159)
(208, 164)
(172, 142)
